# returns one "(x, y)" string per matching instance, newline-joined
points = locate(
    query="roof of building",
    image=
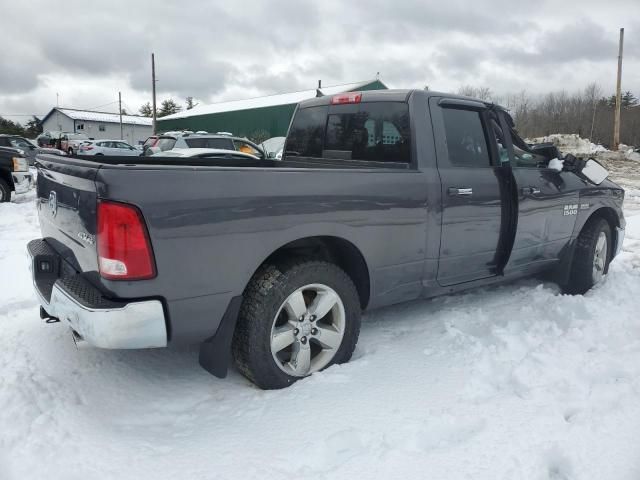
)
(104, 117)
(268, 101)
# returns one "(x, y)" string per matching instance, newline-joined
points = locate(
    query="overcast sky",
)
(87, 51)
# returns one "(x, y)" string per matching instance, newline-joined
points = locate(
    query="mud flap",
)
(215, 352)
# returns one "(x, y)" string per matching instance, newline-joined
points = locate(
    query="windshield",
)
(18, 142)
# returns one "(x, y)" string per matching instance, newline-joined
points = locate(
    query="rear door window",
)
(377, 131)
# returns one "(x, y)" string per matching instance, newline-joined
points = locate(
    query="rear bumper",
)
(99, 321)
(22, 181)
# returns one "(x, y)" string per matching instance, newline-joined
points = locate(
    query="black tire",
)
(70, 151)
(5, 192)
(99, 154)
(263, 297)
(581, 275)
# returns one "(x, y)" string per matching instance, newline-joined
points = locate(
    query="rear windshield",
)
(150, 142)
(223, 143)
(165, 143)
(375, 131)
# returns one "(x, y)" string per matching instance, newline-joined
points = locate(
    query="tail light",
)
(350, 97)
(124, 249)
(86, 148)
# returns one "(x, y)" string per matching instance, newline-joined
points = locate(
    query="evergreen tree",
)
(10, 127)
(628, 99)
(190, 103)
(168, 107)
(33, 128)
(146, 110)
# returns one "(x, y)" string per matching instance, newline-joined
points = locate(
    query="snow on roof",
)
(105, 117)
(268, 101)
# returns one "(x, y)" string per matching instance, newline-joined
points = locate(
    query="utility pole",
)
(153, 88)
(120, 110)
(616, 117)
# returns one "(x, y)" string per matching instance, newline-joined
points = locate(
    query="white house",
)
(98, 125)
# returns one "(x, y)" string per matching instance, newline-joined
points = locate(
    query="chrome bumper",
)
(98, 321)
(619, 240)
(22, 181)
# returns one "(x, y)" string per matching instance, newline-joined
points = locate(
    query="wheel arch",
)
(609, 214)
(562, 271)
(337, 250)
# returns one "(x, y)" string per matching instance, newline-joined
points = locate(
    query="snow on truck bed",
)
(511, 382)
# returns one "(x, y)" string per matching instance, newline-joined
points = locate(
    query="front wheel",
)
(295, 320)
(591, 257)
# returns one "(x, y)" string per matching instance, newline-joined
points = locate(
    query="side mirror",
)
(595, 172)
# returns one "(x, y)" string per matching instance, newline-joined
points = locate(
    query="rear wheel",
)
(5, 191)
(295, 320)
(70, 151)
(591, 256)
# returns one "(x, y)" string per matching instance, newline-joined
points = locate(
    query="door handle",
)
(454, 191)
(530, 190)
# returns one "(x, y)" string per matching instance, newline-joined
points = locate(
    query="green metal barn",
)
(257, 118)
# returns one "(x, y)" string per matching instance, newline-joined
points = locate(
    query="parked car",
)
(216, 153)
(107, 147)
(14, 173)
(158, 143)
(48, 138)
(27, 148)
(70, 142)
(381, 197)
(222, 141)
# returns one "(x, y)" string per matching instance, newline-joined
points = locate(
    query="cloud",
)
(88, 51)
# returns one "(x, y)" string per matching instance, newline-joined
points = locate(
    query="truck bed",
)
(211, 223)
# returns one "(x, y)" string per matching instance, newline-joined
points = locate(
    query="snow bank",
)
(570, 143)
(631, 154)
(513, 382)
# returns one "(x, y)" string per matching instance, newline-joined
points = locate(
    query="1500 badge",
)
(571, 209)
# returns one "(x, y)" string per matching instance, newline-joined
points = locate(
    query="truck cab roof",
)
(392, 95)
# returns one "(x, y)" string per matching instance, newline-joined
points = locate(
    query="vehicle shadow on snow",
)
(176, 368)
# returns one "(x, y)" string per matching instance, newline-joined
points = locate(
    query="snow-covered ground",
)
(513, 382)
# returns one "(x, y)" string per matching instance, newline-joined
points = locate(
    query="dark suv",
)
(15, 141)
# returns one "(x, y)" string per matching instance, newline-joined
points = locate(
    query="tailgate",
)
(66, 202)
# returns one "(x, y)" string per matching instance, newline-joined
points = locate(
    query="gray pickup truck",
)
(381, 197)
